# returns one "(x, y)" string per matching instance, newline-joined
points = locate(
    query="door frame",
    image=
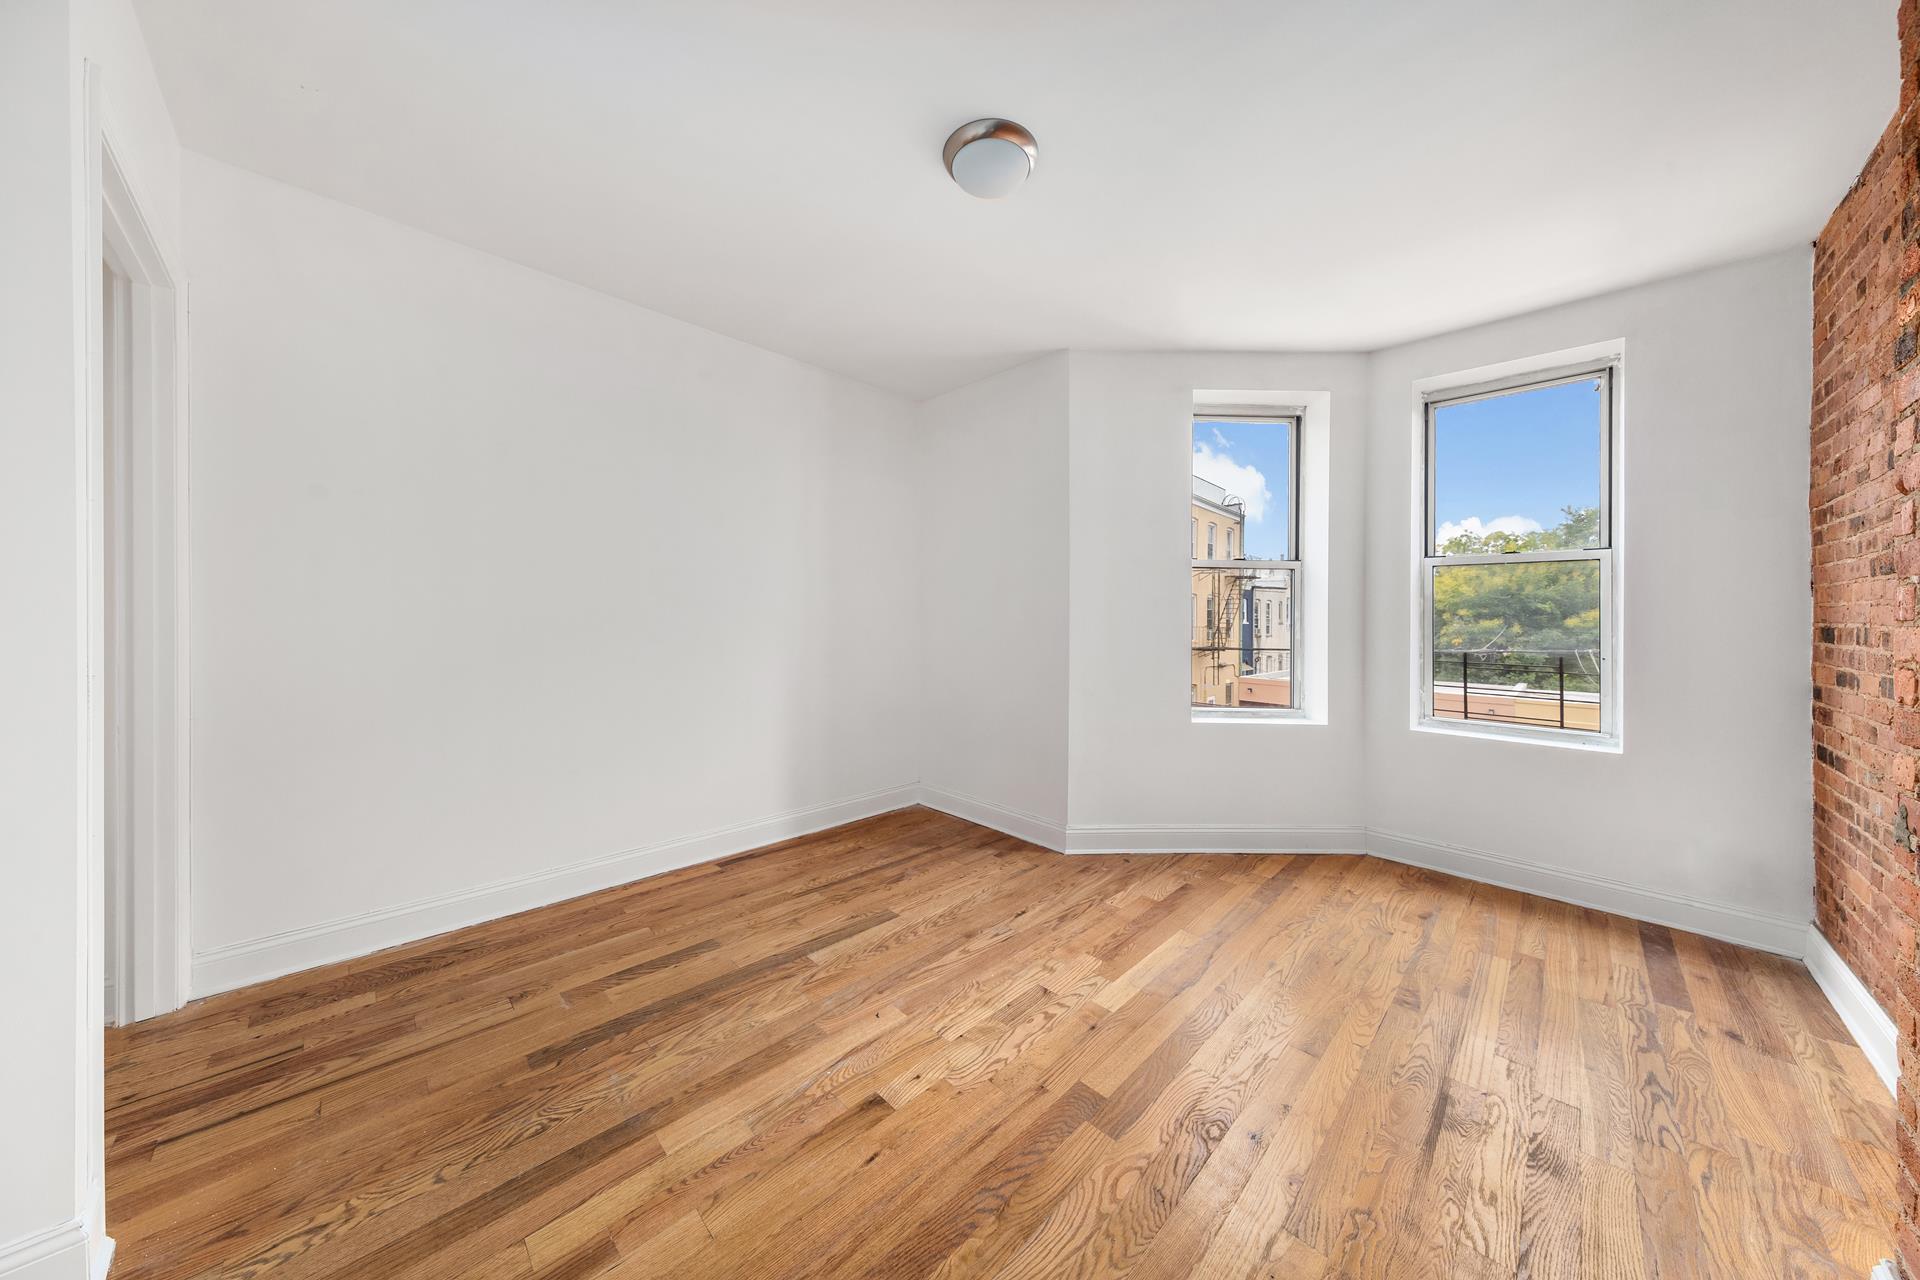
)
(152, 938)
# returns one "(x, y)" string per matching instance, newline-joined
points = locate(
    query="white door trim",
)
(152, 945)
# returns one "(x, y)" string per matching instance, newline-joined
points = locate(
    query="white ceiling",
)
(1225, 174)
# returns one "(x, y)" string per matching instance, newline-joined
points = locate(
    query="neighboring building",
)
(1219, 522)
(1242, 622)
(1266, 647)
(1218, 533)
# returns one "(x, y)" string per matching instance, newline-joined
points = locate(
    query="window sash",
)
(1292, 651)
(1271, 564)
(1290, 418)
(1602, 555)
(1520, 557)
(1291, 421)
(1528, 382)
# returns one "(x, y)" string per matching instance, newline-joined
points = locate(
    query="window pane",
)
(1243, 487)
(1518, 643)
(1243, 638)
(1520, 471)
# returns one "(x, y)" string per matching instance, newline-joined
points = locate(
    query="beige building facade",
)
(1242, 615)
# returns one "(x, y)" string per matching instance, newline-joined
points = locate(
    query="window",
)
(1245, 482)
(1517, 571)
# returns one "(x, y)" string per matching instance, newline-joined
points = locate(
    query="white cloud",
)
(1243, 482)
(1479, 529)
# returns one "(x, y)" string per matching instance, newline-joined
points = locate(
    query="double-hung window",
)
(1246, 469)
(1517, 573)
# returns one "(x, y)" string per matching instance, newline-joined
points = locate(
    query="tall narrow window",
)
(1517, 575)
(1245, 484)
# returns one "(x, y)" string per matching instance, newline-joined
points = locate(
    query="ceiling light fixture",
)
(990, 158)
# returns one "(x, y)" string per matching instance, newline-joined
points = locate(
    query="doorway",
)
(115, 491)
(138, 536)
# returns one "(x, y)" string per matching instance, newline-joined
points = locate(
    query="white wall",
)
(1703, 820)
(107, 34)
(50, 925)
(504, 589)
(1710, 802)
(43, 935)
(992, 660)
(494, 576)
(1143, 773)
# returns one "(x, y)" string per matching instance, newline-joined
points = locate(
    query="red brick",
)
(1866, 596)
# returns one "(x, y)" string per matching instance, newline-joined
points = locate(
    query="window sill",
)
(1250, 715)
(1564, 739)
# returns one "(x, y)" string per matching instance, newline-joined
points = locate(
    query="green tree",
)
(1578, 530)
(1523, 617)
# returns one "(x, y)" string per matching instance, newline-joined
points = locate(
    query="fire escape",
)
(1226, 594)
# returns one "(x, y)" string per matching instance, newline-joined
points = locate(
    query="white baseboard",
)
(1216, 839)
(1872, 1029)
(1149, 839)
(1025, 826)
(225, 968)
(100, 1244)
(1778, 934)
(258, 959)
(58, 1253)
(1718, 920)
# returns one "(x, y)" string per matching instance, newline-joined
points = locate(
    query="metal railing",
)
(1554, 689)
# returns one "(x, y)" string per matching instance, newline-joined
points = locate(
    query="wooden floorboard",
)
(914, 1047)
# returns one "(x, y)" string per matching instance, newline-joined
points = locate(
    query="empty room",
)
(591, 674)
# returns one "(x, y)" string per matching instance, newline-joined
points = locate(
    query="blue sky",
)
(1512, 462)
(1251, 461)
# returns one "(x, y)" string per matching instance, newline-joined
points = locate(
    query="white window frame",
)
(1293, 420)
(1607, 369)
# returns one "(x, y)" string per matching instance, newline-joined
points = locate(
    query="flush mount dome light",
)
(990, 158)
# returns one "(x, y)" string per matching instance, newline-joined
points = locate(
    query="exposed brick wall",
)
(1860, 598)
(1866, 572)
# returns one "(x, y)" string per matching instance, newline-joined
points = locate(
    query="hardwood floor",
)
(914, 1047)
